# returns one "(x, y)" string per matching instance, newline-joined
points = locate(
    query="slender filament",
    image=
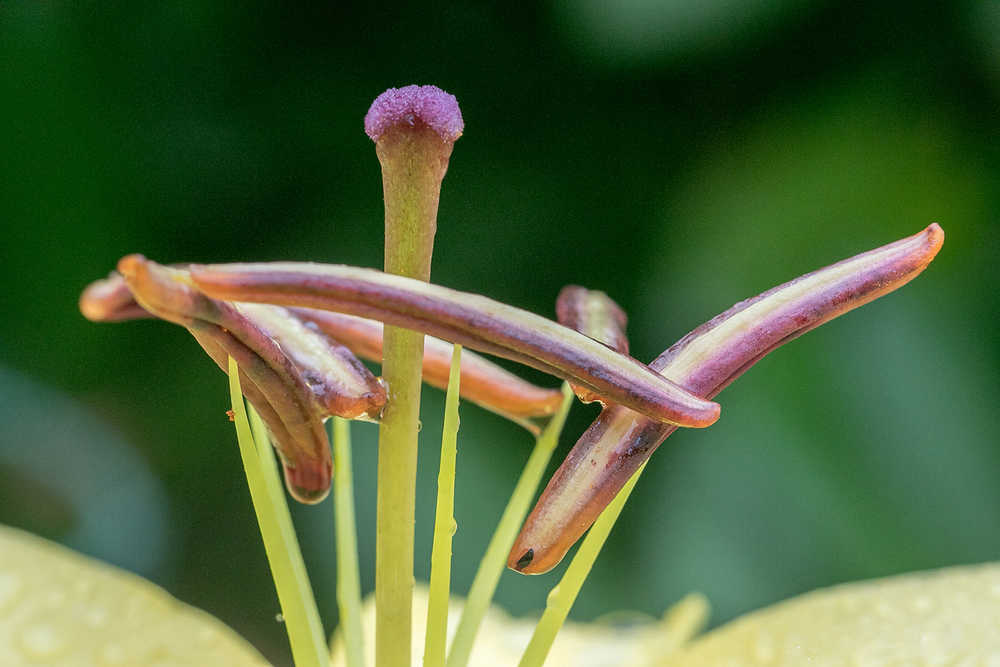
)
(492, 564)
(298, 606)
(436, 640)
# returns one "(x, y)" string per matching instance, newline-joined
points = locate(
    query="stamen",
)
(705, 361)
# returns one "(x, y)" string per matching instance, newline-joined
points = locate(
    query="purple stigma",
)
(429, 104)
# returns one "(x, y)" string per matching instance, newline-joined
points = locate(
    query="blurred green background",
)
(681, 156)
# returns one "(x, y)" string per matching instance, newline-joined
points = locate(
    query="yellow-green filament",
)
(435, 643)
(562, 597)
(348, 575)
(298, 607)
(495, 558)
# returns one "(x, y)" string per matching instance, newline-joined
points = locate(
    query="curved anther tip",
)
(526, 561)
(923, 246)
(712, 414)
(99, 300)
(129, 265)
(935, 239)
(307, 484)
(309, 496)
(406, 106)
(90, 308)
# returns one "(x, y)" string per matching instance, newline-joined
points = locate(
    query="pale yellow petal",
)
(944, 617)
(61, 609)
(624, 639)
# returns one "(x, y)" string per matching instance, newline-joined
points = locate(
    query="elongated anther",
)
(110, 300)
(471, 320)
(295, 376)
(705, 361)
(595, 315)
(482, 381)
(298, 437)
(342, 384)
(318, 366)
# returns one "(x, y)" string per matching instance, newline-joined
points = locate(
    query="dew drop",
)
(420, 425)
(454, 527)
(279, 617)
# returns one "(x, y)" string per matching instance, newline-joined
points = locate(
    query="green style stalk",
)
(414, 129)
